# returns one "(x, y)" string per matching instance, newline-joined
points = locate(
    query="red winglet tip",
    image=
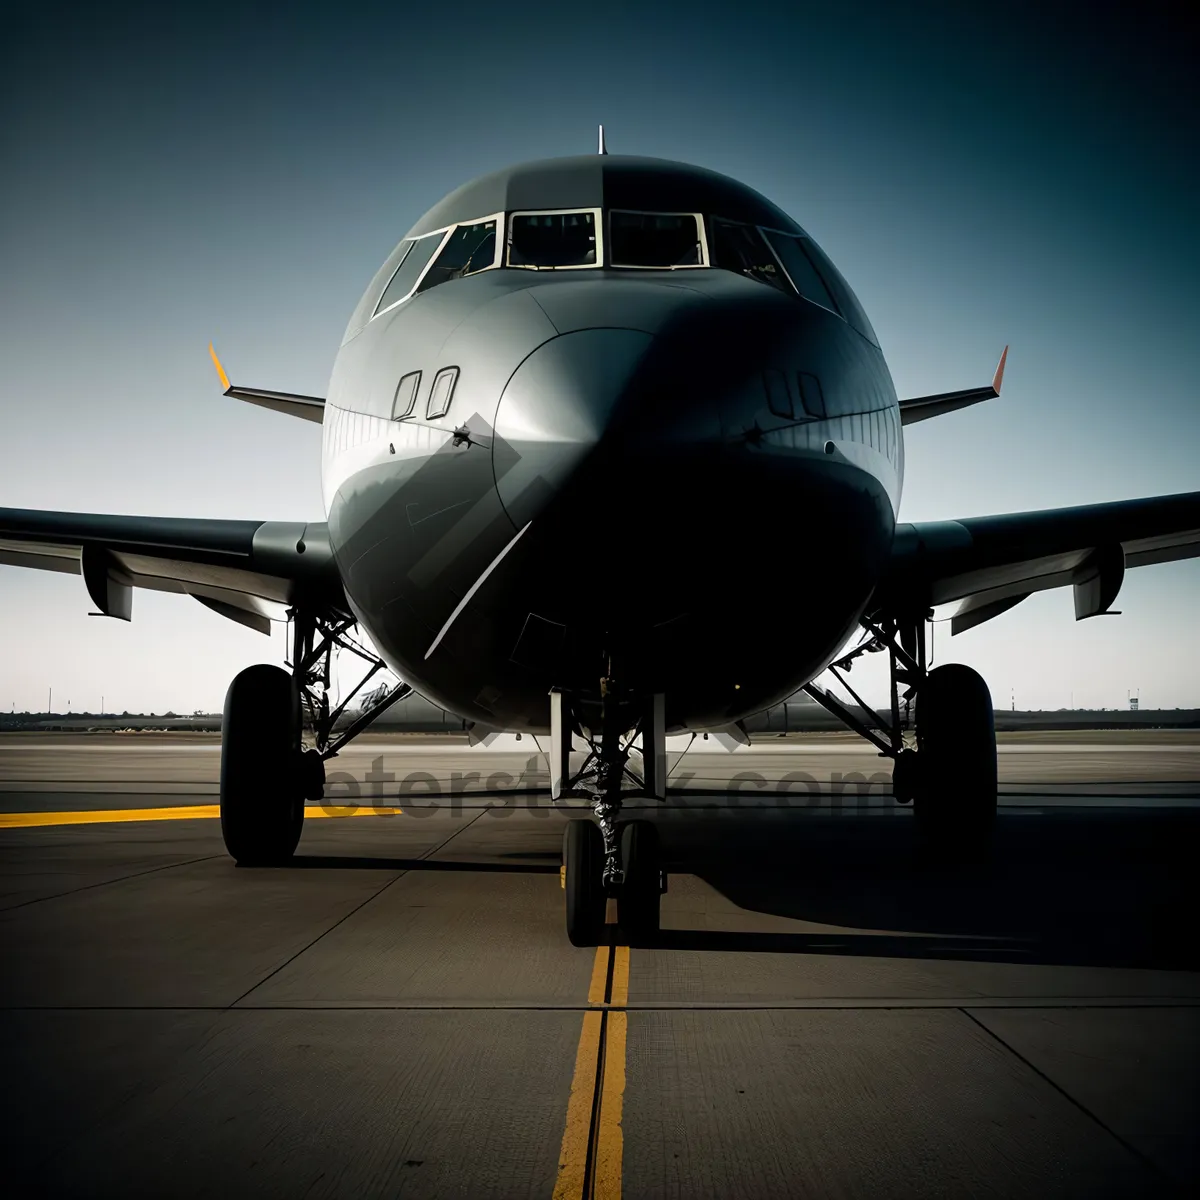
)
(998, 378)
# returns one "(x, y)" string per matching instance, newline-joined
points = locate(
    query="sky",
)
(983, 175)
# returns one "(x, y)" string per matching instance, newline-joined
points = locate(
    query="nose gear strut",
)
(621, 863)
(610, 771)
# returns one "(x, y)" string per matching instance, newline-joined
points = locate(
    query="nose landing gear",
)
(582, 879)
(588, 888)
(608, 858)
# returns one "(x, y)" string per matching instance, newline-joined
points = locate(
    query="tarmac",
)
(399, 1013)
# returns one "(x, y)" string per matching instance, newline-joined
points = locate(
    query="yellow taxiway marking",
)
(589, 1164)
(572, 1159)
(610, 1142)
(619, 996)
(186, 812)
(599, 984)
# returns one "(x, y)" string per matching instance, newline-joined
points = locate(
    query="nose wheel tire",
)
(583, 868)
(262, 789)
(641, 891)
(955, 804)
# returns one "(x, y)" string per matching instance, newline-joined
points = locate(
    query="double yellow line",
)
(589, 1164)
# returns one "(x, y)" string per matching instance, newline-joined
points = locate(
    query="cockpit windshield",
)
(470, 248)
(547, 241)
(741, 248)
(654, 240)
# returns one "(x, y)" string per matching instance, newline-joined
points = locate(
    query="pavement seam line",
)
(1078, 1104)
(570, 1008)
(106, 882)
(357, 908)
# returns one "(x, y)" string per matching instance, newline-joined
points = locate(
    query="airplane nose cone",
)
(556, 408)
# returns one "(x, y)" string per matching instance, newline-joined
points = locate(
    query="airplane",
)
(610, 451)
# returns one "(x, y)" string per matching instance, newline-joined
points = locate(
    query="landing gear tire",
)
(641, 893)
(583, 870)
(262, 790)
(955, 805)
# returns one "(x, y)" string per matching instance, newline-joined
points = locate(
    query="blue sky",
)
(981, 175)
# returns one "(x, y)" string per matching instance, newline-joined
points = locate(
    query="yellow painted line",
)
(601, 1048)
(599, 976)
(187, 812)
(620, 981)
(107, 816)
(354, 811)
(572, 1158)
(610, 1142)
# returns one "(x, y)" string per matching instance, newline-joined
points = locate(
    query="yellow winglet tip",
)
(220, 369)
(998, 378)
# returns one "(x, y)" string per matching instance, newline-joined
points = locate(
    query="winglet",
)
(221, 370)
(998, 378)
(311, 408)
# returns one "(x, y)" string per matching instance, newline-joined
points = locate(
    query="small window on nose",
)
(442, 393)
(811, 396)
(406, 395)
(779, 396)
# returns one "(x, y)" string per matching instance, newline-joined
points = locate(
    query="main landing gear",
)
(945, 767)
(608, 858)
(954, 804)
(267, 773)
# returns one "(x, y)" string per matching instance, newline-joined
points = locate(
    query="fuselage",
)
(545, 464)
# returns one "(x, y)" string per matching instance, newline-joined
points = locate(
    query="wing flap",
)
(39, 556)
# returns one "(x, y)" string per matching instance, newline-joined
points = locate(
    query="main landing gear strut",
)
(945, 767)
(267, 772)
(609, 858)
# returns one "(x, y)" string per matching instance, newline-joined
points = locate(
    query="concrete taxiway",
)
(399, 1013)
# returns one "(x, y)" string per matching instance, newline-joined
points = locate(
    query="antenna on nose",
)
(602, 149)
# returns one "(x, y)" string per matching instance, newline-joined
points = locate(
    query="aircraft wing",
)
(249, 571)
(993, 563)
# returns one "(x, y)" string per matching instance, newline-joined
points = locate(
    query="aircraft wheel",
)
(955, 804)
(641, 894)
(262, 792)
(583, 871)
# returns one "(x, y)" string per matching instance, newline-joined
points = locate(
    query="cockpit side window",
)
(406, 396)
(468, 250)
(742, 248)
(846, 299)
(441, 393)
(553, 241)
(661, 241)
(800, 270)
(415, 259)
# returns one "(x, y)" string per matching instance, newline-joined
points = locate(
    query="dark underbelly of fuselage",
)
(723, 577)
